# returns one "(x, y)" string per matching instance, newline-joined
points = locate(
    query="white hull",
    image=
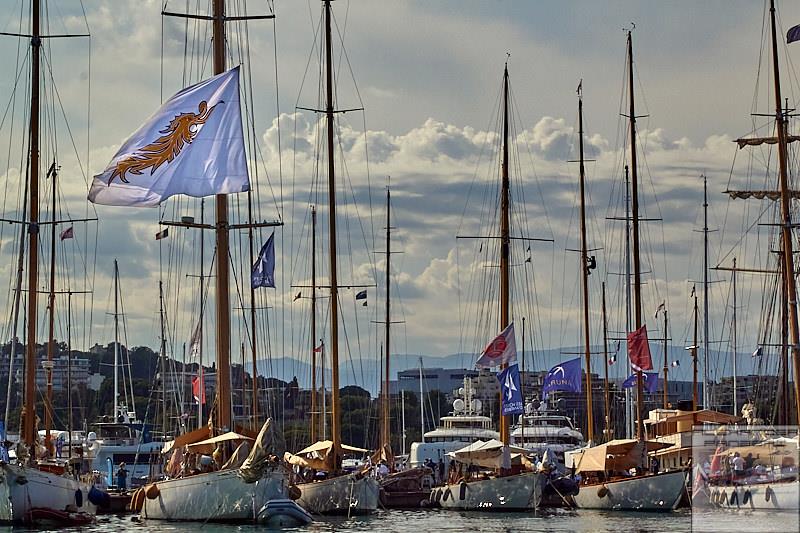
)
(661, 492)
(25, 488)
(348, 494)
(510, 493)
(784, 496)
(215, 497)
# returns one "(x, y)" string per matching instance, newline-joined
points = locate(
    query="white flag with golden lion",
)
(193, 145)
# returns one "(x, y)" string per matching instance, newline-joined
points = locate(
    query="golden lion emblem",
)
(181, 131)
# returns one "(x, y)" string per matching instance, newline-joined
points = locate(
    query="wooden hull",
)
(660, 492)
(781, 496)
(520, 492)
(214, 497)
(30, 495)
(405, 500)
(343, 495)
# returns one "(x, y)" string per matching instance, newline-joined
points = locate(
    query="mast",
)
(314, 325)
(421, 405)
(666, 362)
(163, 360)
(69, 372)
(403, 417)
(694, 353)
(781, 123)
(782, 406)
(637, 281)
(116, 339)
(505, 242)
(253, 324)
(585, 276)
(223, 304)
(29, 412)
(335, 428)
(51, 317)
(385, 433)
(324, 396)
(628, 295)
(706, 391)
(202, 385)
(607, 428)
(733, 342)
(522, 384)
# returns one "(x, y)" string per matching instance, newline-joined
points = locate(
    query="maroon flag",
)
(639, 350)
(198, 390)
(67, 233)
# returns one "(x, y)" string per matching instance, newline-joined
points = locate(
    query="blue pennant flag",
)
(793, 34)
(3, 450)
(263, 274)
(650, 381)
(510, 391)
(564, 376)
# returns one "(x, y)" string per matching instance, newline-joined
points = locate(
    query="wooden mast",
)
(505, 248)
(733, 341)
(314, 324)
(607, 429)
(29, 410)
(223, 304)
(385, 432)
(781, 123)
(666, 362)
(637, 281)
(51, 317)
(585, 276)
(334, 279)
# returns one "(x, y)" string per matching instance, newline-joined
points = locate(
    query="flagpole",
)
(607, 429)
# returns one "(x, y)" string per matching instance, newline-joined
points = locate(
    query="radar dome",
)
(476, 405)
(458, 405)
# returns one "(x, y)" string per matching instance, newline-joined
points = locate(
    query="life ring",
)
(602, 492)
(746, 497)
(769, 493)
(152, 491)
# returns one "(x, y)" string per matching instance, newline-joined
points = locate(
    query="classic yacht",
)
(460, 428)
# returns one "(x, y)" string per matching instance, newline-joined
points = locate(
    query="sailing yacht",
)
(605, 470)
(498, 476)
(339, 492)
(35, 489)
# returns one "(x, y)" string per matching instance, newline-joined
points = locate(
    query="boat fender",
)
(446, 494)
(137, 500)
(79, 498)
(438, 495)
(734, 499)
(747, 497)
(151, 491)
(602, 492)
(22, 480)
(294, 492)
(723, 498)
(98, 497)
(768, 493)
(463, 491)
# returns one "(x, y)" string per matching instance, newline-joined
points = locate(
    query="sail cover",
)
(757, 141)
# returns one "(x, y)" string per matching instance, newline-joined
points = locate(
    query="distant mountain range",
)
(365, 372)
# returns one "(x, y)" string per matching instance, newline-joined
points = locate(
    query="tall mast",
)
(253, 325)
(422, 405)
(666, 362)
(314, 325)
(637, 281)
(335, 428)
(69, 371)
(733, 342)
(585, 276)
(385, 433)
(163, 360)
(607, 428)
(694, 353)
(706, 391)
(223, 304)
(781, 123)
(628, 294)
(51, 316)
(116, 339)
(202, 385)
(29, 418)
(505, 241)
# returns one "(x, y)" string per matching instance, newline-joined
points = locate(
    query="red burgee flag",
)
(501, 351)
(318, 348)
(639, 350)
(198, 391)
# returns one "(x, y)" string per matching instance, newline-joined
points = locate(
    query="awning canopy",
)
(187, 438)
(326, 445)
(616, 455)
(489, 454)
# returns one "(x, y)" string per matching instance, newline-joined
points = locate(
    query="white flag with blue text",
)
(192, 145)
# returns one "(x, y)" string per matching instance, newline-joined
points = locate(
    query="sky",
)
(428, 76)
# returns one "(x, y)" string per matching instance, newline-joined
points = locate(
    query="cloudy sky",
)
(428, 77)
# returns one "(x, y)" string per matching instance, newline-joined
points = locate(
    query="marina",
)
(229, 308)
